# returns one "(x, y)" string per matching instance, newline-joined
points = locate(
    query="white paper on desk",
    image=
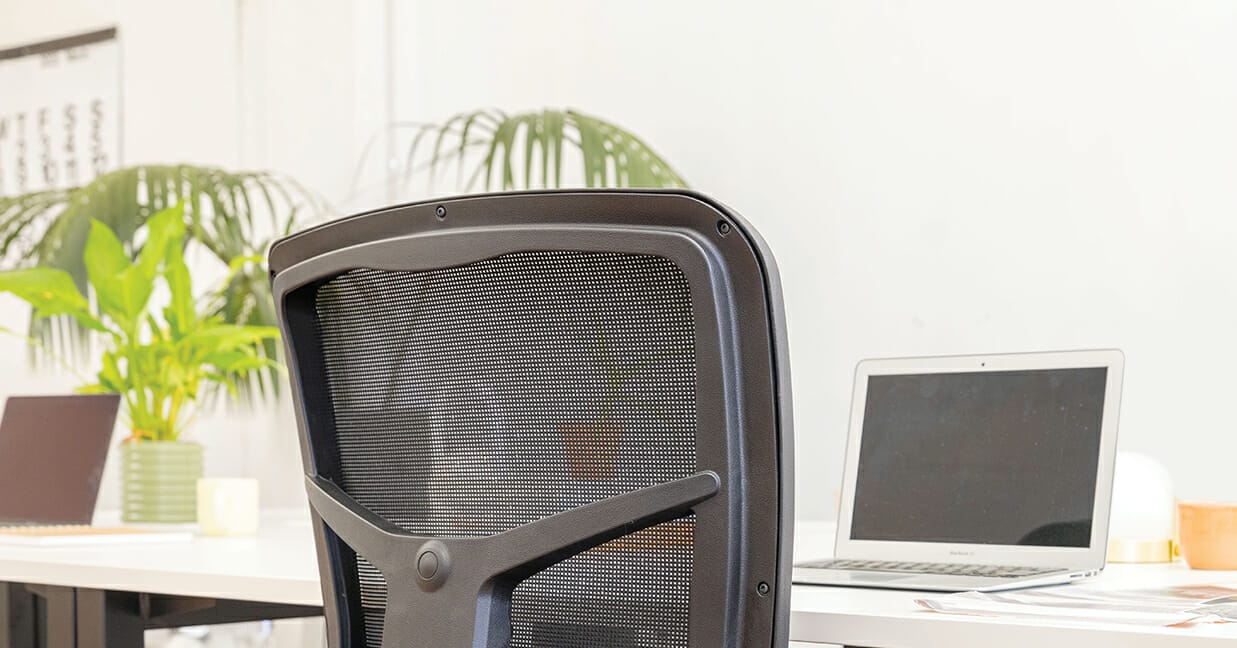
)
(1167, 606)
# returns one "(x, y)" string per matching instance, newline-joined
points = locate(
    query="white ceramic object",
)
(228, 506)
(1143, 510)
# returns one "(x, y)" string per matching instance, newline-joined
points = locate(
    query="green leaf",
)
(553, 121)
(238, 264)
(165, 235)
(50, 292)
(110, 377)
(593, 148)
(225, 337)
(461, 151)
(532, 139)
(181, 312)
(438, 142)
(121, 292)
(105, 255)
(238, 361)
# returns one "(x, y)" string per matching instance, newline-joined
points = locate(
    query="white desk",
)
(107, 596)
(276, 566)
(279, 567)
(891, 619)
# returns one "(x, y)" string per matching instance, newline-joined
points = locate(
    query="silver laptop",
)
(976, 472)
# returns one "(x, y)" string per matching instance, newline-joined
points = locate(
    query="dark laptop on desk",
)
(52, 453)
(977, 472)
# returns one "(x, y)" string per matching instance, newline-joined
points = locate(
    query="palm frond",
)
(229, 214)
(491, 150)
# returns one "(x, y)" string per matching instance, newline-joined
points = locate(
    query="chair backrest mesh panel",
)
(473, 399)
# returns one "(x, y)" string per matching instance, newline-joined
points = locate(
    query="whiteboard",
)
(59, 112)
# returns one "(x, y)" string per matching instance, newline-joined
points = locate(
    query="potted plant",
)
(161, 360)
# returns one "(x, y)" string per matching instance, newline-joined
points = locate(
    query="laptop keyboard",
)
(947, 569)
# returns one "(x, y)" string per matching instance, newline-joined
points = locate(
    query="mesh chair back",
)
(552, 419)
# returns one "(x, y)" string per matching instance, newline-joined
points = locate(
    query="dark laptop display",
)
(52, 453)
(998, 457)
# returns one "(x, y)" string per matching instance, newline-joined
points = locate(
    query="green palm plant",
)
(492, 150)
(159, 361)
(231, 215)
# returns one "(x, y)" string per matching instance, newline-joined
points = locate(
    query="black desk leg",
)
(61, 606)
(46, 616)
(20, 620)
(109, 619)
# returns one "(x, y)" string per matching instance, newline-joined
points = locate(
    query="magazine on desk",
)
(1180, 605)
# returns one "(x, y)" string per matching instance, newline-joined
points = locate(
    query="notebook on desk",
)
(73, 535)
(52, 453)
(976, 473)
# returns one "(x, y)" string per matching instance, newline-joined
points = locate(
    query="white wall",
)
(946, 177)
(935, 177)
(271, 84)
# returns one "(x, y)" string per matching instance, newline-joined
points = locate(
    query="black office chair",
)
(546, 419)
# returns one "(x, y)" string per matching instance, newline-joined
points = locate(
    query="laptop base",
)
(928, 582)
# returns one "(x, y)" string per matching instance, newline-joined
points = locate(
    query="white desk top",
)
(278, 565)
(890, 618)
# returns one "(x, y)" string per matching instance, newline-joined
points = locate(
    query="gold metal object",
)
(1141, 551)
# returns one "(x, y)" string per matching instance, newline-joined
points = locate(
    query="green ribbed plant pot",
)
(159, 481)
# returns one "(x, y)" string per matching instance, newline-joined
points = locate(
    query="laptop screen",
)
(52, 452)
(1001, 457)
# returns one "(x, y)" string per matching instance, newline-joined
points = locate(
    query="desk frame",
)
(48, 616)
